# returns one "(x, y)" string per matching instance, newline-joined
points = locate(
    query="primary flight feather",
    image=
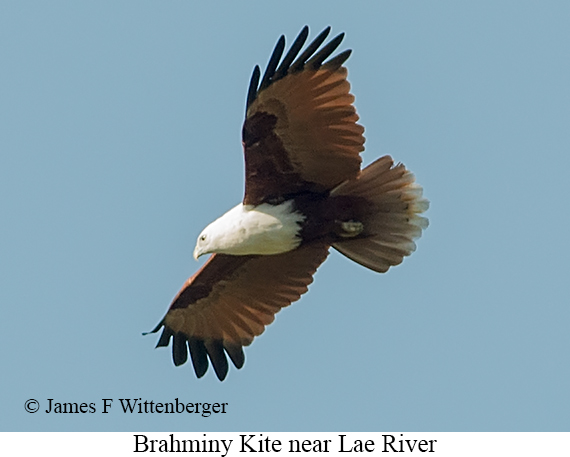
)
(304, 192)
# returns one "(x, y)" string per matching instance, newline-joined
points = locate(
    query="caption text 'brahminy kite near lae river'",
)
(304, 192)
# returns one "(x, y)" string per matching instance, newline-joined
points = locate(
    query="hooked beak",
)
(197, 253)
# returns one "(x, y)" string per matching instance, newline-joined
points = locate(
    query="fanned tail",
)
(392, 221)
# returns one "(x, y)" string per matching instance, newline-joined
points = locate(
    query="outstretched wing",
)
(230, 300)
(300, 133)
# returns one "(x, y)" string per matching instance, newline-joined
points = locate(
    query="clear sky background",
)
(120, 140)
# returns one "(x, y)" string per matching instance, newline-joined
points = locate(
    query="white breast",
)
(263, 229)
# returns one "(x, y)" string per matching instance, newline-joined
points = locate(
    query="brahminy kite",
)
(304, 192)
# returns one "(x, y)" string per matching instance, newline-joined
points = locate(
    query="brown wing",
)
(230, 300)
(300, 133)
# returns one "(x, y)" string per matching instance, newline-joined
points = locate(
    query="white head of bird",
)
(252, 230)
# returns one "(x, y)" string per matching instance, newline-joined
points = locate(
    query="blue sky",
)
(120, 140)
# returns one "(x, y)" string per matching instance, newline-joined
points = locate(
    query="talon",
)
(351, 228)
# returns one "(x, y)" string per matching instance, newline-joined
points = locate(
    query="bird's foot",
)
(351, 229)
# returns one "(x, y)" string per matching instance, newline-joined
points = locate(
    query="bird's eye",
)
(203, 238)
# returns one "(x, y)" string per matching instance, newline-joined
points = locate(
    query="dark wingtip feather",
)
(179, 349)
(253, 84)
(155, 329)
(316, 61)
(273, 62)
(218, 358)
(236, 354)
(199, 356)
(336, 62)
(293, 51)
(164, 339)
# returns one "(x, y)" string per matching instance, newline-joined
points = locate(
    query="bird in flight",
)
(304, 192)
